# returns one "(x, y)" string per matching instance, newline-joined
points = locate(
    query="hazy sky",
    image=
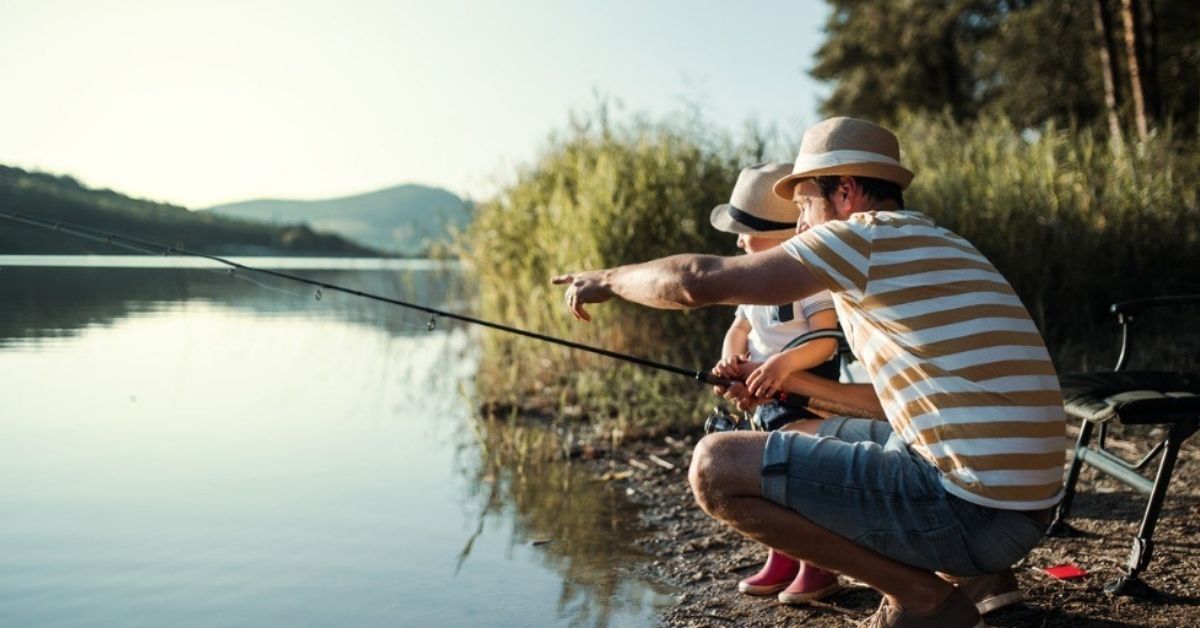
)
(199, 103)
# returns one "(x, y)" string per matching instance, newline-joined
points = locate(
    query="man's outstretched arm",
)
(688, 281)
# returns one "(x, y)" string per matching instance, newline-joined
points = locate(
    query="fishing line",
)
(314, 296)
(154, 248)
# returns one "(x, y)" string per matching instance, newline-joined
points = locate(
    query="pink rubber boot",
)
(812, 583)
(774, 576)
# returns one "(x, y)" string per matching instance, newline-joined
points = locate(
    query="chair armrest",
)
(1129, 309)
(835, 334)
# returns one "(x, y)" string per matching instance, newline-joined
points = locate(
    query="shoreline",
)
(704, 561)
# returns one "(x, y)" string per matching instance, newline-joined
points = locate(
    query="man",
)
(961, 477)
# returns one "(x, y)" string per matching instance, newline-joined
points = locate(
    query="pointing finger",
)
(580, 313)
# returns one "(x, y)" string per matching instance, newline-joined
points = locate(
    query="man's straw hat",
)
(753, 209)
(846, 146)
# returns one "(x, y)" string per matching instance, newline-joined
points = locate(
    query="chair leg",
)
(1058, 526)
(1130, 583)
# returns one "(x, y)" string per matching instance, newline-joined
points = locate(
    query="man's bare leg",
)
(726, 479)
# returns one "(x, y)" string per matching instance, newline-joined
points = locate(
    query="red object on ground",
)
(1065, 572)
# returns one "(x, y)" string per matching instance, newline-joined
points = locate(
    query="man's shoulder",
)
(901, 218)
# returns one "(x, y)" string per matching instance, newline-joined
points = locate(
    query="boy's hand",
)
(730, 366)
(736, 368)
(767, 380)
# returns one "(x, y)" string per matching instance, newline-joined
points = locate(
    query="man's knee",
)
(702, 470)
(725, 465)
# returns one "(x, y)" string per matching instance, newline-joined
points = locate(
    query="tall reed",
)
(1071, 222)
(600, 196)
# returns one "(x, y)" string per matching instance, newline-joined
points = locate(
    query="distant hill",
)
(404, 220)
(63, 198)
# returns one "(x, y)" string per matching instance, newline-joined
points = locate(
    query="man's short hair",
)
(877, 189)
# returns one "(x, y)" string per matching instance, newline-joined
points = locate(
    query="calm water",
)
(182, 447)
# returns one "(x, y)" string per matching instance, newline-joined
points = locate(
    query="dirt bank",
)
(705, 561)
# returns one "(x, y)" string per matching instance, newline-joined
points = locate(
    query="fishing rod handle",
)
(786, 398)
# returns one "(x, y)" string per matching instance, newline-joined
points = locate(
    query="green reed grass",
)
(1071, 222)
(598, 197)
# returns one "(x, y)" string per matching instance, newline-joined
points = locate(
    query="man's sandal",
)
(955, 612)
(991, 592)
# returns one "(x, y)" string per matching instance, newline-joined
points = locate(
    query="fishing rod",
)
(146, 246)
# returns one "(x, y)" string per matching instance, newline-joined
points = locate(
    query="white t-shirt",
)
(773, 326)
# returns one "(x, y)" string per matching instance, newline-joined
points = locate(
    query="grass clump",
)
(1073, 223)
(600, 196)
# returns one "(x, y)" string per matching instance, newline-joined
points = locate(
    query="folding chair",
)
(1164, 398)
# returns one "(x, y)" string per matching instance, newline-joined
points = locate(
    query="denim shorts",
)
(858, 479)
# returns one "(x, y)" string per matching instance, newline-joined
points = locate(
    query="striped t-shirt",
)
(961, 370)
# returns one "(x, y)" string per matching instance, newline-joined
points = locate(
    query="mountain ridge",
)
(406, 219)
(62, 197)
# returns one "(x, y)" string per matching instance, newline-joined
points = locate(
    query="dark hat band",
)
(756, 223)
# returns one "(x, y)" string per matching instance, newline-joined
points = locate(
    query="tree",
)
(1176, 71)
(1108, 68)
(888, 56)
(1131, 16)
(1031, 60)
(1039, 65)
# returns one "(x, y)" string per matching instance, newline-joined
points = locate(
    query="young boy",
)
(759, 334)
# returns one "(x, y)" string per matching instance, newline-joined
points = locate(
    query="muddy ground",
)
(705, 561)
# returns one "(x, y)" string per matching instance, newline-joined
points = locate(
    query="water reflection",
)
(583, 525)
(182, 447)
(55, 303)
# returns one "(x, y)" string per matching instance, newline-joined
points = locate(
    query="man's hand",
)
(582, 288)
(741, 397)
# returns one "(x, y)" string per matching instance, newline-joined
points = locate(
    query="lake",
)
(183, 446)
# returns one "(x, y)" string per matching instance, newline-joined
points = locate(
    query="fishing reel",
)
(774, 417)
(719, 420)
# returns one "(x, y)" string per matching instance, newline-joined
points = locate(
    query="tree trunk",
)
(1133, 55)
(1150, 61)
(1108, 69)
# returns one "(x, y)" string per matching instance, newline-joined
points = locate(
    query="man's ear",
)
(847, 188)
(845, 196)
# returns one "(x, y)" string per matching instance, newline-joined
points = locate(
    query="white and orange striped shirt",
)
(962, 371)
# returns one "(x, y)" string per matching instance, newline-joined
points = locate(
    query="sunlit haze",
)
(205, 103)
